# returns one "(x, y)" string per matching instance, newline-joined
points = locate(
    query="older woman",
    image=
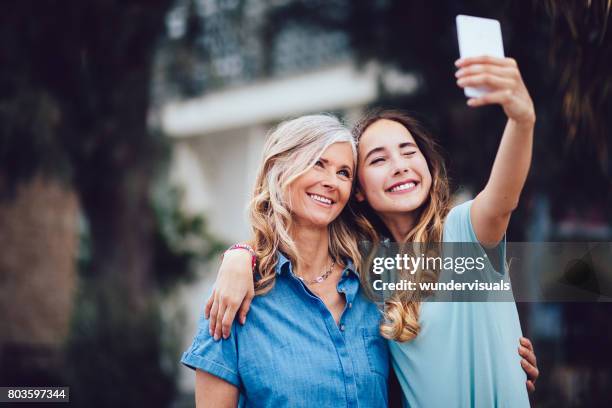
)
(314, 338)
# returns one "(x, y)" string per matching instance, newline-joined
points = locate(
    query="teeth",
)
(321, 199)
(402, 187)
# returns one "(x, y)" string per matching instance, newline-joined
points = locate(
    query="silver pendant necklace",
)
(320, 278)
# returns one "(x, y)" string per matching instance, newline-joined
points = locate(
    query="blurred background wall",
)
(131, 132)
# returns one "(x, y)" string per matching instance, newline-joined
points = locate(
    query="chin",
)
(409, 206)
(321, 222)
(400, 209)
(400, 206)
(404, 208)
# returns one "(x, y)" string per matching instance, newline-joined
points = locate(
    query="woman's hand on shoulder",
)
(234, 290)
(529, 362)
(503, 77)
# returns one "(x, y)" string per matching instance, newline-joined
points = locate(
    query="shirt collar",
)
(283, 260)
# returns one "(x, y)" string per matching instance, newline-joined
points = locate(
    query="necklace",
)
(320, 278)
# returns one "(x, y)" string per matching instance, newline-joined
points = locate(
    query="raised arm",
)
(493, 206)
(233, 292)
(213, 392)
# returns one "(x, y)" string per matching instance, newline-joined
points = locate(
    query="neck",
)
(313, 248)
(399, 224)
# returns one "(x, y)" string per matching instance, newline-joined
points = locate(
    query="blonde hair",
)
(401, 315)
(291, 149)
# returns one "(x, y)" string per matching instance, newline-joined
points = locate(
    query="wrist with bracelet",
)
(246, 247)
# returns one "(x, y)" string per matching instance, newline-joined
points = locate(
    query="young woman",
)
(316, 339)
(444, 354)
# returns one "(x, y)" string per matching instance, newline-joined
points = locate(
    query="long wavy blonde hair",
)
(291, 149)
(401, 314)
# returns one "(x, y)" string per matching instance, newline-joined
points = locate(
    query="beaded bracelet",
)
(248, 248)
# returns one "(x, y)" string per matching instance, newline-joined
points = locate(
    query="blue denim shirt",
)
(291, 352)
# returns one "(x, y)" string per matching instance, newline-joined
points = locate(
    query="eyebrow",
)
(343, 166)
(379, 149)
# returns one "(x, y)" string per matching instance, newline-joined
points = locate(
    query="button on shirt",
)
(291, 352)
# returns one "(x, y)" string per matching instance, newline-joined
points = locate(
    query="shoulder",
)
(458, 228)
(219, 358)
(458, 224)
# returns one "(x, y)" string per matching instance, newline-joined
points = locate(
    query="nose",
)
(399, 171)
(330, 181)
(400, 166)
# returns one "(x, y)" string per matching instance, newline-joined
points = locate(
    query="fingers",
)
(219, 320)
(234, 282)
(244, 308)
(493, 82)
(529, 361)
(212, 320)
(227, 320)
(526, 351)
(508, 72)
(528, 355)
(209, 304)
(526, 343)
(485, 59)
(490, 77)
(530, 386)
(222, 314)
(501, 79)
(532, 371)
(498, 97)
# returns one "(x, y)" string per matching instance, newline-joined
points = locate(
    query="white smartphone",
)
(478, 36)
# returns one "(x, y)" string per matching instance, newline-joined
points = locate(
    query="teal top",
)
(466, 353)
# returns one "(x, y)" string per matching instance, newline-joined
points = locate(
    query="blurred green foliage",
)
(181, 240)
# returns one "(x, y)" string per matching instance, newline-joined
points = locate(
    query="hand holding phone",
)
(478, 36)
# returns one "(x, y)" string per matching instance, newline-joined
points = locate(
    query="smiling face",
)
(393, 173)
(320, 194)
